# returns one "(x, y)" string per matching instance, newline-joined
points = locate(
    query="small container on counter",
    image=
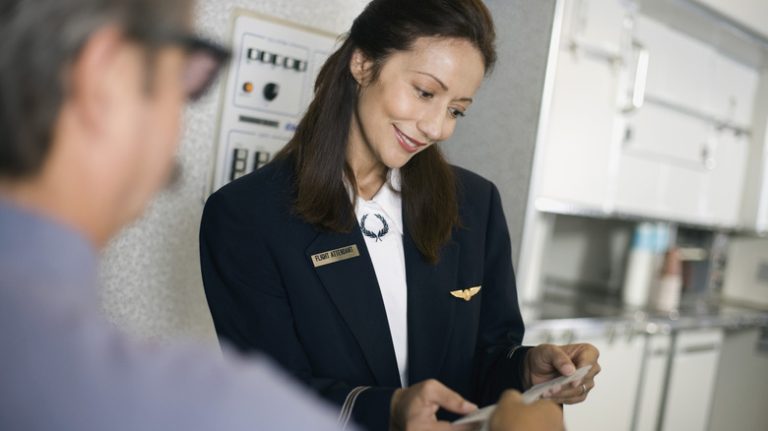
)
(648, 242)
(666, 295)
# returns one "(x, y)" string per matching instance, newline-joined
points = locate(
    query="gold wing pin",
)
(466, 294)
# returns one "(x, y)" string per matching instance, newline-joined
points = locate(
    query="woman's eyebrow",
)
(442, 84)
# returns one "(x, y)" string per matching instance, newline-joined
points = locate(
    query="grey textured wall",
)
(150, 274)
(498, 137)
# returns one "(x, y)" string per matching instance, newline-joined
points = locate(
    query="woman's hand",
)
(511, 414)
(415, 408)
(546, 362)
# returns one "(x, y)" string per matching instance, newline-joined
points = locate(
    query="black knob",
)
(271, 91)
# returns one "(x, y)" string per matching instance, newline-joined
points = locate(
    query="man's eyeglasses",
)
(204, 60)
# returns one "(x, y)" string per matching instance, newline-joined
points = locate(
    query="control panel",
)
(268, 87)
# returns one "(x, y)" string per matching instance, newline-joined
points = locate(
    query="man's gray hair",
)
(39, 40)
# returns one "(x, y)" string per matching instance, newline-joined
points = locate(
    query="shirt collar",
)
(388, 199)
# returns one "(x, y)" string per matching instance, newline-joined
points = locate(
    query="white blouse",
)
(381, 221)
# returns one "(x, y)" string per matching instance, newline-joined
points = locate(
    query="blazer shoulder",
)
(275, 176)
(473, 189)
(266, 192)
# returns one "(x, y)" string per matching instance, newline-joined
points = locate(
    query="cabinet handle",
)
(579, 46)
(700, 348)
(641, 77)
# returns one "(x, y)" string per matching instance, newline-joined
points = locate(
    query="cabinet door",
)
(611, 403)
(692, 380)
(661, 165)
(649, 403)
(680, 68)
(676, 161)
(581, 125)
(580, 132)
(681, 168)
(733, 92)
(742, 384)
(668, 159)
(724, 182)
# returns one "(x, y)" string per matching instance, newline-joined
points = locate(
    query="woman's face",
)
(416, 100)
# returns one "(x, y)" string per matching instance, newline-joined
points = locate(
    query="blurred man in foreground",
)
(91, 93)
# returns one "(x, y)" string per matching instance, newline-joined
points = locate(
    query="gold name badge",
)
(333, 256)
(466, 294)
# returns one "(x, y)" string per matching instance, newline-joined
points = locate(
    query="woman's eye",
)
(424, 94)
(455, 113)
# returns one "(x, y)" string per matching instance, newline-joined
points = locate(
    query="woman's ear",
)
(360, 66)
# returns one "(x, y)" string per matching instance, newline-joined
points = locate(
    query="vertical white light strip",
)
(536, 226)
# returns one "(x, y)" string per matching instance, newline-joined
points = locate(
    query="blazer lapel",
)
(430, 308)
(352, 286)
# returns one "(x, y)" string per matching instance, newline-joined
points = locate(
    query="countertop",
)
(601, 312)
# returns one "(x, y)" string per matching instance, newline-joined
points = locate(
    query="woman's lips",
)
(409, 144)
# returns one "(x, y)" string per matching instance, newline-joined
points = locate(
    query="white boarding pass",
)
(529, 396)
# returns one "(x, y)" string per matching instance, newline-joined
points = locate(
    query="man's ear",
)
(361, 67)
(91, 75)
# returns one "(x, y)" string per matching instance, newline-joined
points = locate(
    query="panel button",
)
(238, 163)
(260, 158)
(271, 91)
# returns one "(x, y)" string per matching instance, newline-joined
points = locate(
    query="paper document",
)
(529, 396)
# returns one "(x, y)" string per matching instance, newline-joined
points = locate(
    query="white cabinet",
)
(679, 152)
(733, 97)
(682, 157)
(611, 403)
(691, 385)
(677, 159)
(581, 124)
(742, 383)
(680, 69)
(661, 164)
(680, 167)
(692, 75)
(724, 184)
(651, 390)
(662, 381)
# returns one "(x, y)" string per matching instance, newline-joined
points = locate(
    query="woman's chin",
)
(397, 161)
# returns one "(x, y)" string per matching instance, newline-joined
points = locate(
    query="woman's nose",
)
(431, 125)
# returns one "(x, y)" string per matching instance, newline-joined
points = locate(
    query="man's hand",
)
(546, 362)
(512, 415)
(414, 408)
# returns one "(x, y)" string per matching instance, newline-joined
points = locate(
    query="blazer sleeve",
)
(500, 355)
(251, 311)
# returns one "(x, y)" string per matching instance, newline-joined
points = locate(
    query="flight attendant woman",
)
(359, 259)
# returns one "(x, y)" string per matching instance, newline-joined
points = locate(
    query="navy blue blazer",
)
(328, 326)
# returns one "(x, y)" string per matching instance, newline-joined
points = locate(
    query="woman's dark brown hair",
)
(319, 147)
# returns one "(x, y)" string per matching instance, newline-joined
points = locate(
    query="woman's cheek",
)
(401, 104)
